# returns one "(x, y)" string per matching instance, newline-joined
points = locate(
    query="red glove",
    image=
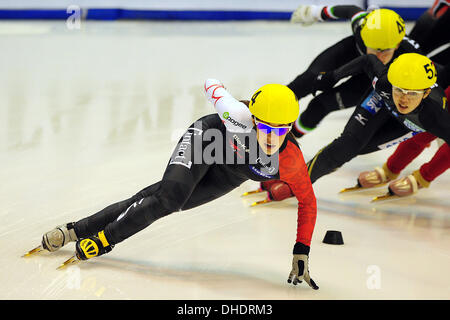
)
(279, 191)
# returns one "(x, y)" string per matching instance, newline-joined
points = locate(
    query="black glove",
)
(324, 81)
(300, 269)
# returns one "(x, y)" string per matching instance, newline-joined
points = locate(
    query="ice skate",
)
(33, 251)
(88, 248)
(259, 190)
(402, 187)
(55, 239)
(256, 203)
(372, 179)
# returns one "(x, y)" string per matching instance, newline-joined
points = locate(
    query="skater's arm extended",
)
(293, 171)
(235, 114)
(308, 14)
(347, 12)
(368, 64)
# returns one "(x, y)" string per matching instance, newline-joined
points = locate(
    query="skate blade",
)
(350, 189)
(257, 203)
(34, 251)
(252, 192)
(357, 188)
(386, 196)
(70, 261)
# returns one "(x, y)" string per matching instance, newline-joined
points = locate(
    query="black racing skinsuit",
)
(349, 93)
(184, 185)
(375, 124)
(192, 179)
(431, 31)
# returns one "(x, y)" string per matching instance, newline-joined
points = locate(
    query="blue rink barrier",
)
(128, 14)
(409, 14)
(131, 14)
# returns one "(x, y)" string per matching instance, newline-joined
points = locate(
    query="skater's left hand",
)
(307, 14)
(279, 191)
(300, 267)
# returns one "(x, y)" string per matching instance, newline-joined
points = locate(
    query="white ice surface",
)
(89, 117)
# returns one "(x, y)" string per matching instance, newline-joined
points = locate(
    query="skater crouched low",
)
(407, 100)
(218, 152)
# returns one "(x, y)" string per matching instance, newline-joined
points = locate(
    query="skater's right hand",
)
(306, 14)
(324, 81)
(300, 266)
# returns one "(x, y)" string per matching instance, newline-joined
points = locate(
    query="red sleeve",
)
(293, 171)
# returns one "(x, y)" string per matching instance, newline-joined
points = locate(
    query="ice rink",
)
(89, 117)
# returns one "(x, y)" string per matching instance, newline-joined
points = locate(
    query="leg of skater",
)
(423, 177)
(91, 225)
(330, 59)
(406, 152)
(344, 96)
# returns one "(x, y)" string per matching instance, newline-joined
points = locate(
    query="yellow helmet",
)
(275, 103)
(412, 71)
(382, 29)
